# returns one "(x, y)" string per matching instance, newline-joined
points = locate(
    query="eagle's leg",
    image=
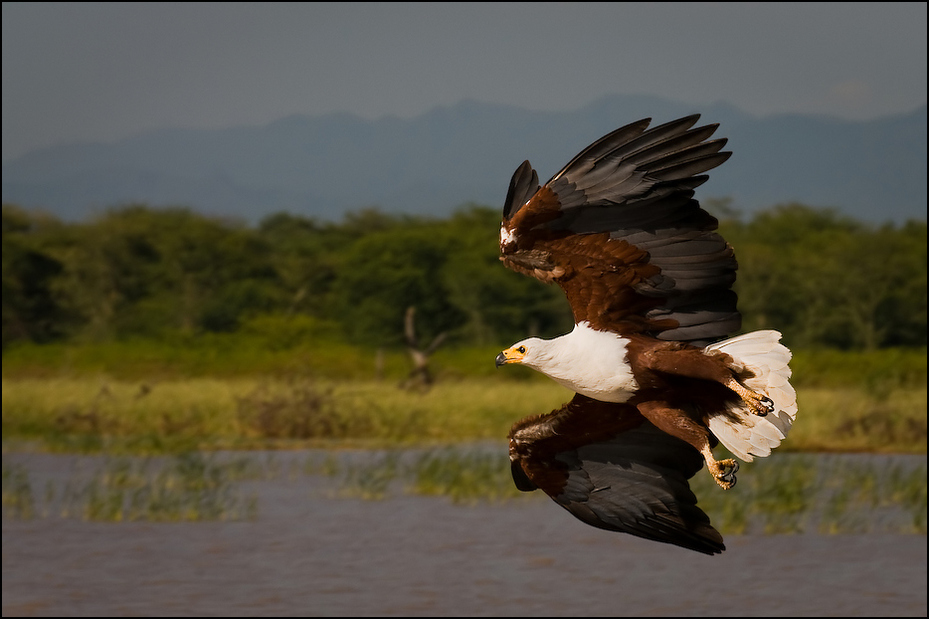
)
(723, 471)
(759, 403)
(677, 423)
(681, 360)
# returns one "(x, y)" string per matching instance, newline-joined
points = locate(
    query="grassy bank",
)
(209, 413)
(238, 355)
(222, 392)
(102, 414)
(123, 399)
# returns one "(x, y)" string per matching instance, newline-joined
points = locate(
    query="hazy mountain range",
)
(323, 166)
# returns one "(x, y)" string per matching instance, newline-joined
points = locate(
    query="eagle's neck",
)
(590, 362)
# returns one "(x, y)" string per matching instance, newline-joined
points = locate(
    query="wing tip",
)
(523, 184)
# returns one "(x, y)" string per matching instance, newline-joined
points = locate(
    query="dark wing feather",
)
(619, 230)
(523, 185)
(613, 470)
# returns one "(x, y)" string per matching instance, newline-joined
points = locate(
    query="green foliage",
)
(169, 274)
(382, 274)
(826, 280)
(30, 310)
(499, 305)
(138, 271)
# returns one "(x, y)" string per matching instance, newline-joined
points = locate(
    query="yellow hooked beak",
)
(511, 355)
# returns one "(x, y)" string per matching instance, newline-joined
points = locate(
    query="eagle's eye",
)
(521, 350)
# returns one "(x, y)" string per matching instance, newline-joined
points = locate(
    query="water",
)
(309, 552)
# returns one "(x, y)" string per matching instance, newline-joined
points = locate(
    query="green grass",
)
(103, 415)
(245, 355)
(99, 414)
(203, 356)
(234, 355)
(879, 372)
(242, 391)
(854, 419)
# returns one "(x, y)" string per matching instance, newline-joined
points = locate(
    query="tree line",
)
(135, 271)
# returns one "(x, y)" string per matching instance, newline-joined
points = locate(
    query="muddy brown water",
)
(308, 553)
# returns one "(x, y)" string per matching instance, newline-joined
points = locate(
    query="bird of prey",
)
(657, 383)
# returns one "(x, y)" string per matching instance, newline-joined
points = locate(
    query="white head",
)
(585, 360)
(532, 352)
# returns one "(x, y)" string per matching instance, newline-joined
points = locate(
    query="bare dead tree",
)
(419, 377)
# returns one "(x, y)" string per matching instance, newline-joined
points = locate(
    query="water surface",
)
(308, 551)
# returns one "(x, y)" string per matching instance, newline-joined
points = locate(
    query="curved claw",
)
(768, 405)
(761, 404)
(724, 473)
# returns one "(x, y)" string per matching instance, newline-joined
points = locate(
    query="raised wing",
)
(612, 469)
(618, 229)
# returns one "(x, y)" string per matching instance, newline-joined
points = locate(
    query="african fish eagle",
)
(657, 384)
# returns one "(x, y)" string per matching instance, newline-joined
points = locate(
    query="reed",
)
(796, 493)
(18, 500)
(187, 487)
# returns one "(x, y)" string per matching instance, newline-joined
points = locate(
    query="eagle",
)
(659, 380)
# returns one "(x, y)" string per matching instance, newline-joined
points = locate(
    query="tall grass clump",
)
(18, 500)
(187, 487)
(464, 476)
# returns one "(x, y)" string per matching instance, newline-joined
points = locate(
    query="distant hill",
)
(322, 166)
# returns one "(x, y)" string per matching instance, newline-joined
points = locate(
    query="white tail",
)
(749, 435)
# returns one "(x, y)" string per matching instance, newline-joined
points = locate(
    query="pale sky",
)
(102, 72)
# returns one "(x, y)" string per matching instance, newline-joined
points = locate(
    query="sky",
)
(107, 71)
